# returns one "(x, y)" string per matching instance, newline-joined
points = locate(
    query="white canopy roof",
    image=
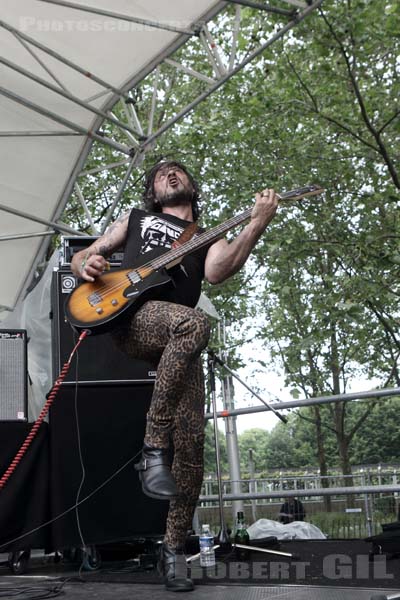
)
(43, 135)
(63, 66)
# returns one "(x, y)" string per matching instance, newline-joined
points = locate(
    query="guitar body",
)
(98, 305)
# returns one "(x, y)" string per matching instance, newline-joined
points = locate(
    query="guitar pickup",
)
(134, 277)
(94, 299)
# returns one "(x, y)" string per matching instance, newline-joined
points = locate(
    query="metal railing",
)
(266, 489)
(374, 499)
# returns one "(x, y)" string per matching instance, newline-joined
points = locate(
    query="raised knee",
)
(194, 325)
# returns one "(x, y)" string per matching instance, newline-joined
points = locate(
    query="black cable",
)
(32, 592)
(43, 593)
(40, 592)
(92, 493)
(78, 502)
(83, 477)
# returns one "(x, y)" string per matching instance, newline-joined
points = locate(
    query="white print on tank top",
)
(157, 232)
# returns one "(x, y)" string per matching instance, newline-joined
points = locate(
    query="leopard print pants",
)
(172, 336)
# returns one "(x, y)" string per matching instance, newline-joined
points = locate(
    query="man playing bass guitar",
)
(170, 333)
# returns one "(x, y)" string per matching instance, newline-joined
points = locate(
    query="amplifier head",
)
(73, 244)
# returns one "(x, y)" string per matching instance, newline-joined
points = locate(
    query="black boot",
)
(155, 474)
(172, 565)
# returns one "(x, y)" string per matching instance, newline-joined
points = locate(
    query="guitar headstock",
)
(302, 192)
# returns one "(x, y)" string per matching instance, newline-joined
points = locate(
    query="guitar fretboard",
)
(216, 232)
(200, 240)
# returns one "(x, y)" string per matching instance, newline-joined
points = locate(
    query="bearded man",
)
(171, 333)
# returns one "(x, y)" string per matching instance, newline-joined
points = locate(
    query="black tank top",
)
(153, 233)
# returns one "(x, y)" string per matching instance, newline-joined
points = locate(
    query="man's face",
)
(172, 186)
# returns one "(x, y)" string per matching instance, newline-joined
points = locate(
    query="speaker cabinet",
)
(111, 424)
(13, 375)
(99, 358)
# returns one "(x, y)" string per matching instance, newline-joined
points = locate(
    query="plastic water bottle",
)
(207, 552)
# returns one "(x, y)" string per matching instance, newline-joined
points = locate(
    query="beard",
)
(176, 197)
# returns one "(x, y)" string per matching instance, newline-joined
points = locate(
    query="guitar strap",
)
(186, 235)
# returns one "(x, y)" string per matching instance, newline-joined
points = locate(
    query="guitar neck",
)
(216, 232)
(201, 240)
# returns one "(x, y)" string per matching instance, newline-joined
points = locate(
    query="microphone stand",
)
(223, 540)
(223, 537)
(218, 360)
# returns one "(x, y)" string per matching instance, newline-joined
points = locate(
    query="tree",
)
(378, 439)
(258, 441)
(322, 288)
(209, 451)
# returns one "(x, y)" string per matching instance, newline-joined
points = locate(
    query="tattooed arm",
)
(91, 262)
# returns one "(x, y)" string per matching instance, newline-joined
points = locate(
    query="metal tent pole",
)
(232, 446)
(65, 94)
(24, 215)
(121, 189)
(21, 236)
(58, 119)
(85, 72)
(299, 17)
(264, 7)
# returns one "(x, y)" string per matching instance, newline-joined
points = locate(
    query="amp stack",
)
(99, 416)
(100, 361)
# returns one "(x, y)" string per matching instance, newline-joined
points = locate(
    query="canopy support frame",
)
(135, 154)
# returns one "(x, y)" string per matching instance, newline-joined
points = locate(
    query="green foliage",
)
(209, 451)
(378, 438)
(322, 288)
(256, 440)
(385, 506)
(293, 446)
(338, 525)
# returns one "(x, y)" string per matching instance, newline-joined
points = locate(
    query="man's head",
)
(169, 183)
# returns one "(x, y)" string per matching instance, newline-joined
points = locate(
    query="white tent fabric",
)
(33, 315)
(39, 157)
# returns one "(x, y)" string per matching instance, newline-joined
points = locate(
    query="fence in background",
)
(353, 515)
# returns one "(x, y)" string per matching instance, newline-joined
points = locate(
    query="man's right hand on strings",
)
(93, 266)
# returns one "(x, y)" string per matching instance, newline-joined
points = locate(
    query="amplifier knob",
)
(114, 302)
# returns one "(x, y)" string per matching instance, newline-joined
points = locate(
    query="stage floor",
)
(87, 590)
(318, 569)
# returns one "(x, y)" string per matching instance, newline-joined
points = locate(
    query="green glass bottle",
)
(241, 537)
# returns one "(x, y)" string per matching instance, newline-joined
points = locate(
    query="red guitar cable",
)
(44, 411)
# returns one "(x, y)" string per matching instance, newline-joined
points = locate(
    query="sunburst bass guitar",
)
(97, 305)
